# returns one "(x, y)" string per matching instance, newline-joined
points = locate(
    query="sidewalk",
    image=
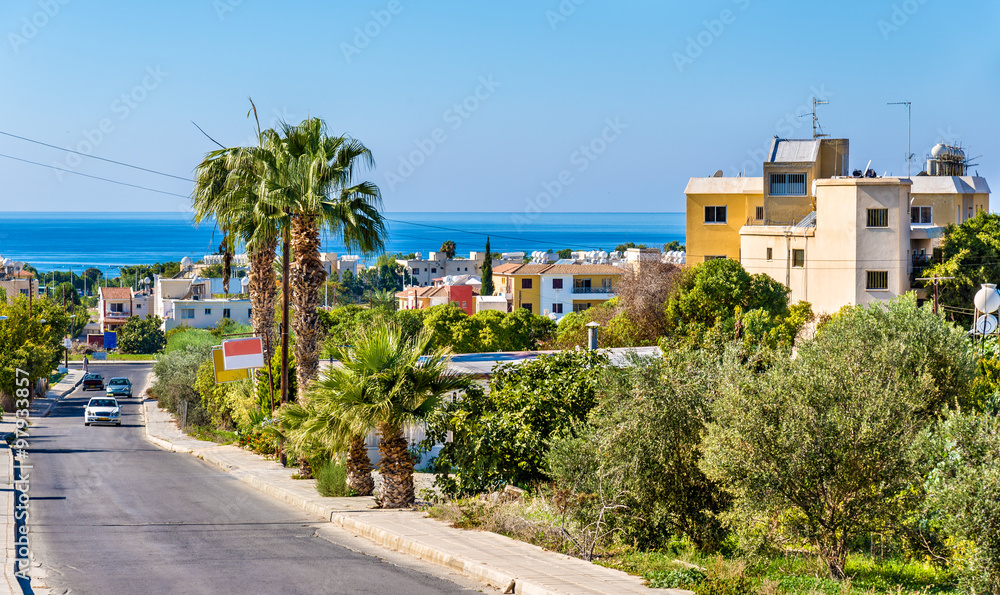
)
(41, 407)
(9, 584)
(511, 565)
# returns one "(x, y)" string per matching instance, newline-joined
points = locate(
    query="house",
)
(555, 289)
(115, 306)
(833, 239)
(15, 281)
(332, 263)
(192, 302)
(420, 298)
(424, 271)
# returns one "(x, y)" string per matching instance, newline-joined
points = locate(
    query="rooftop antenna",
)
(817, 129)
(909, 155)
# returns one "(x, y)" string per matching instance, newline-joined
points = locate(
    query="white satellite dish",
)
(987, 298)
(986, 324)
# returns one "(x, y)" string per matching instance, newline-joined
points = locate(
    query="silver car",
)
(102, 410)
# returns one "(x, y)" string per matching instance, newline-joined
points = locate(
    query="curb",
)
(53, 404)
(9, 584)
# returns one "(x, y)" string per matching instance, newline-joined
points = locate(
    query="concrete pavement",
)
(510, 565)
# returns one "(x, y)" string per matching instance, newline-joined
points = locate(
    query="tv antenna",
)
(909, 155)
(817, 129)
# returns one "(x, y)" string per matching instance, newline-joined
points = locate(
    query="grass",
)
(533, 519)
(212, 435)
(54, 378)
(190, 337)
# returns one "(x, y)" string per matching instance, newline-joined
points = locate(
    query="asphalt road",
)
(111, 513)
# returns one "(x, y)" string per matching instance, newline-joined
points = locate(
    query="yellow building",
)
(555, 289)
(832, 238)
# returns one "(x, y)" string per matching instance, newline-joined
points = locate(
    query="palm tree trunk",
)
(359, 468)
(396, 468)
(307, 275)
(262, 292)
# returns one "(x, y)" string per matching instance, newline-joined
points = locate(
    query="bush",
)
(257, 439)
(141, 335)
(502, 436)
(331, 479)
(189, 337)
(176, 374)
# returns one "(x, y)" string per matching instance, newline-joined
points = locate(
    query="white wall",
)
(549, 296)
(238, 309)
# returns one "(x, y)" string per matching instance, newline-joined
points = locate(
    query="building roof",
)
(430, 291)
(790, 150)
(949, 185)
(738, 185)
(557, 269)
(491, 299)
(116, 293)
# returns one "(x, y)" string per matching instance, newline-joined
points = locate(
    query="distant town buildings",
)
(832, 236)
(195, 302)
(419, 298)
(15, 281)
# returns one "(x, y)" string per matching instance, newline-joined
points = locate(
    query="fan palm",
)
(310, 175)
(385, 382)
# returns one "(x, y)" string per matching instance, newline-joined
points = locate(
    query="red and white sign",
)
(238, 354)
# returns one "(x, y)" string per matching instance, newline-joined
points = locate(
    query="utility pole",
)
(30, 279)
(908, 154)
(935, 279)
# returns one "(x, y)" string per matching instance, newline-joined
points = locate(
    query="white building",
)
(190, 302)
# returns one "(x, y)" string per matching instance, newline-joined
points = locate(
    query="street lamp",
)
(69, 341)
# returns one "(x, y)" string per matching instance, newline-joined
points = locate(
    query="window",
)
(525, 283)
(581, 307)
(557, 284)
(798, 258)
(557, 308)
(877, 280)
(416, 271)
(225, 313)
(708, 258)
(119, 308)
(878, 218)
(138, 306)
(526, 307)
(464, 305)
(24, 292)
(187, 313)
(249, 310)
(715, 214)
(759, 212)
(770, 254)
(922, 215)
(208, 311)
(788, 185)
(434, 270)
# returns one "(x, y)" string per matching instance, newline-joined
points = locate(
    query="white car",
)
(102, 410)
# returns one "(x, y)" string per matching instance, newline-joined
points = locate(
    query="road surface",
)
(111, 513)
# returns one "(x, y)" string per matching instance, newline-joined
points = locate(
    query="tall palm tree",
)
(311, 176)
(385, 381)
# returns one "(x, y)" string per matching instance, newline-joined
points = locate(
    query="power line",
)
(152, 171)
(69, 171)
(478, 233)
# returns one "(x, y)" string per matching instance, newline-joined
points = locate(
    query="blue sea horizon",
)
(79, 240)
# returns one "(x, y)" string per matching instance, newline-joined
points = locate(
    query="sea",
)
(76, 241)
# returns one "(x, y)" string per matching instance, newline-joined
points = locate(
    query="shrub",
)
(502, 436)
(176, 374)
(331, 479)
(141, 335)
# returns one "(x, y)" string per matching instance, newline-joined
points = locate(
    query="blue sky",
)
(578, 105)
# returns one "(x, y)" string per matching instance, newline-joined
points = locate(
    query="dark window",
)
(921, 215)
(416, 271)
(798, 258)
(878, 218)
(557, 308)
(249, 311)
(525, 283)
(434, 270)
(581, 307)
(788, 185)
(877, 280)
(557, 284)
(770, 254)
(208, 311)
(760, 213)
(715, 214)
(526, 307)
(225, 313)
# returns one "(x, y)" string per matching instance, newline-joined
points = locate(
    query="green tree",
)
(820, 441)
(448, 247)
(968, 254)
(565, 253)
(502, 435)
(141, 335)
(672, 246)
(385, 381)
(487, 287)
(28, 344)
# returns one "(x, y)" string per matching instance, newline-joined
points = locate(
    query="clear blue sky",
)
(688, 88)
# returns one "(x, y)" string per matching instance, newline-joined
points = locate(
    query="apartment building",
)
(832, 238)
(419, 298)
(555, 289)
(191, 302)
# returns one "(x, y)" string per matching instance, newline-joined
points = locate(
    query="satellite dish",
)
(717, 174)
(987, 298)
(986, 324)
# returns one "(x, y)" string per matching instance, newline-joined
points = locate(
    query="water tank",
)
(987, 299)
(186, 262)
(939, 151)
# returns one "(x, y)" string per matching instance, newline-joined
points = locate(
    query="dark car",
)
(93, 382)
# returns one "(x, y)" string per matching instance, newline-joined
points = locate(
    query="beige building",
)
(831, 238)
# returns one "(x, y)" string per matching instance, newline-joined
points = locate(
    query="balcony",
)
(121, 315)
(605, 290)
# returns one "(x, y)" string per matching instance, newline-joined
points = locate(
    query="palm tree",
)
(310, 175)
(385, 381)
(227, 188)
(448, 247)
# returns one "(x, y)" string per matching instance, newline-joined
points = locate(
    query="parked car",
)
(120, 387)
(93, 381)
(102, 410)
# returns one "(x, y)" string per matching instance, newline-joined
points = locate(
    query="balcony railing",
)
(117, 314)
(593, 290)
